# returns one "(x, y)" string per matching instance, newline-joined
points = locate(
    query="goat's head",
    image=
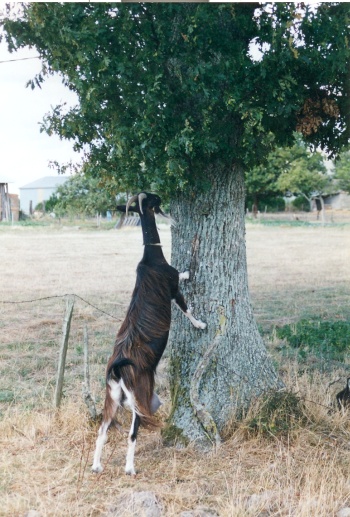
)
(142, 203)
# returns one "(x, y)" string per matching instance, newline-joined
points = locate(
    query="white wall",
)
(35, 195)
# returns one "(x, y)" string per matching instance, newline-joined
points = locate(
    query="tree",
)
(342, 172)
(171, 99)
(261, 182)
(82, 194)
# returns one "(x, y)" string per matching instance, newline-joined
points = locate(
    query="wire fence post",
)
(63, 350)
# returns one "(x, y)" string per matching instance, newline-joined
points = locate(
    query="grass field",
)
(296, 274)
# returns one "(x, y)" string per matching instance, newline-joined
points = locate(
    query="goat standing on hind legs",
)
(142, 338)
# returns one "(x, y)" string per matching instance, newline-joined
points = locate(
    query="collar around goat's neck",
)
(153, 244)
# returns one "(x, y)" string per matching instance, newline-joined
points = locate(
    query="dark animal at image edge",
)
(343, 397)
(143, 336)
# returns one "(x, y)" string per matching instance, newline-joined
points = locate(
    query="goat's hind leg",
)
(112, 401)
(135, 424)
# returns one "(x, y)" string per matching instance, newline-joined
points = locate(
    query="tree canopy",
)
(164, 89)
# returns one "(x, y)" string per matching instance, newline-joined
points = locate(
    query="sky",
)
(25, 153)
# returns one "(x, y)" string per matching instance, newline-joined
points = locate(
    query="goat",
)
(343, 397)
(143, 335)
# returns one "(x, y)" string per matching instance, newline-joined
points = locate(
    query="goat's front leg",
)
(180, 301)
(184, 276)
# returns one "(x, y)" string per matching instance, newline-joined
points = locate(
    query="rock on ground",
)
(344, 512)
(138, 504)
(201, 511)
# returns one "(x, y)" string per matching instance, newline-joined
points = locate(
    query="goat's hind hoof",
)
(97, 470)
(130, 472)
(201, 325)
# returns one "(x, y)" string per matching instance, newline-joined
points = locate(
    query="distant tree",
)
(287, 170)
(172, 99)
(49, 204)
(303, 173)
(342, 172)
(84, 195)
(261, 183)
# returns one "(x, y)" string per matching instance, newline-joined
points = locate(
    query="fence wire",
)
(29, 348)
(30, 337)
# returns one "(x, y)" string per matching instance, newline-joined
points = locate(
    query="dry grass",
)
(46, 455)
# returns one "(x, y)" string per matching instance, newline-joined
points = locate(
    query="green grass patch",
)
(6, 396)
(327, 339)
(279, 414)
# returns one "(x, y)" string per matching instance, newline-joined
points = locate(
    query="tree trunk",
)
(214, 373)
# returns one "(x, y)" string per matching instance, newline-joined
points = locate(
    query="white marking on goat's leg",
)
(113, 396)
(184, 276)
(196, 323)
(101, 440)
(129, 466)
(180, 301)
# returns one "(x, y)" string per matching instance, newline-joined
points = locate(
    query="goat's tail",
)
(113, 370)
(142, 389)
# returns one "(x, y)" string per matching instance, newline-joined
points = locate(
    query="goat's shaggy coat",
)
(143, 336)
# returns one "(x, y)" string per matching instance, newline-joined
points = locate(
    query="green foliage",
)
(279, 413)
(166, 90)
(342, 172)
(329, 339)
(82, 194)
(50, 204)
(271, 203)
(300, 203)
(287, 170)
(302, 172)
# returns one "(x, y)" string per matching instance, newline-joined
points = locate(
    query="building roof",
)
(46, 182)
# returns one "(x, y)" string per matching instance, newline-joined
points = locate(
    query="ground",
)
(296, 273)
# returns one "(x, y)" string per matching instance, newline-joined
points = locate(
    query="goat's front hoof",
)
(130, 472)
(201, 325)
(184, 276)
(97, 470)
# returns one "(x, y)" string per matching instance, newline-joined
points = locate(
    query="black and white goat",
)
(143, 335)
(343, 397)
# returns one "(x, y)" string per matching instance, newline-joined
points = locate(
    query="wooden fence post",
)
(63, 351)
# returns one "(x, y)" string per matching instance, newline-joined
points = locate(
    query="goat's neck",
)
(153, 251)
(149, 229)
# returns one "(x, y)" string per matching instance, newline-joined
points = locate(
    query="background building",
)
(39, 191)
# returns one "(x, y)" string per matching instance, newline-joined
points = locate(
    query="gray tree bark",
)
(214, 373)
